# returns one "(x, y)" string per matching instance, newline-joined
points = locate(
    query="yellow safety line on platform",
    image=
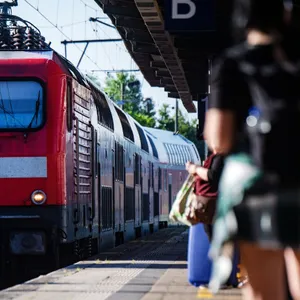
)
(204, 293)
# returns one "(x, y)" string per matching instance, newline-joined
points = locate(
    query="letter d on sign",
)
(177, 15)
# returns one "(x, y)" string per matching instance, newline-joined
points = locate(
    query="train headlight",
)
(38, 197)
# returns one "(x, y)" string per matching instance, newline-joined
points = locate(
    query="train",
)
(77, 174)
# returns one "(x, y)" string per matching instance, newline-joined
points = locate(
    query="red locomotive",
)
(77, 174)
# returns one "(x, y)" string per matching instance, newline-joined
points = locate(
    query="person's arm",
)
(215, 171)
(197, 170)
(212, 174)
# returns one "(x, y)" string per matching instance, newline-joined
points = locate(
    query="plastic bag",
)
(178, 210)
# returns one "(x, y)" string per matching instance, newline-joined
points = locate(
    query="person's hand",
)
(191, 168)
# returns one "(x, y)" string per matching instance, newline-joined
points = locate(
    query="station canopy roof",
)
(172, 41)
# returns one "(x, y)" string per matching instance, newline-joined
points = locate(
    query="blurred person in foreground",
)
(256, 97)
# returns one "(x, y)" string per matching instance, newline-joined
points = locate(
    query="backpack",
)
(273, 124)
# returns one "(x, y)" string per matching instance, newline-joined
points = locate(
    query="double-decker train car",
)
(77, 174)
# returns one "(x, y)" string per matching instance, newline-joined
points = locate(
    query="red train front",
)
(32, 150)
(76, 173)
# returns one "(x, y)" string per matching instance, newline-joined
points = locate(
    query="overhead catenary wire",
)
(96, 33)
(124, 50)
(57, 12)
(85, 21)
(32, 6)
(65, 25)
(72, 28)
(89, 6)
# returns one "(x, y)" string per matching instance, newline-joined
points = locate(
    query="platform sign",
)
(189, 15)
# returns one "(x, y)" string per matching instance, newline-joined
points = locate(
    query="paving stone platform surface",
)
(151, 268)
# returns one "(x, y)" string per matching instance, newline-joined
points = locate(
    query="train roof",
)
(172, 148)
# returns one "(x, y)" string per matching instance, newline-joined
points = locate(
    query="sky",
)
(60, 20)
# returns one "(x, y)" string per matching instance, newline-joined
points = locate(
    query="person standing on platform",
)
(256, 93)
(206, 188)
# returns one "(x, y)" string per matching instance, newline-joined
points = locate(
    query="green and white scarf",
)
(238, 175)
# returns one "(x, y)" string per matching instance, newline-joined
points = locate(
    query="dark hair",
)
(264, 15)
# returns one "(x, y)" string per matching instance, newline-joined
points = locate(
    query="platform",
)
(151, 268)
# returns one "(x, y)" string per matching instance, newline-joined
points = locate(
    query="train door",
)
(99, 190)
(150, 191)
(137, 191)
(113, 187)
(141, 193)
(170, 192)
(119, 187)
(159, 191)
(92, 205)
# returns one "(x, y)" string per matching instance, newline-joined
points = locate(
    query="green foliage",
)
(127, 88)
(164, 121)
(144, 119)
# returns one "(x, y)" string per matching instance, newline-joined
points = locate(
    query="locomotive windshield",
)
(21, 105)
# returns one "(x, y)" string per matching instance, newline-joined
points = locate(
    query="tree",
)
(148, 108)
(144, 120)
(164, 120)
(127, 90)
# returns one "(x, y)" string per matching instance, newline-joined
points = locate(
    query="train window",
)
(174, 153)
(190, 154)
(69, 105)
(154, 150)
(186, 153)
(97, 157)
(103, 111)
(21, 105)
(165, 180)
(125, 125)
(119, 161)
(137, 168)
(129, 162)
(159, 178)
(168, 153)
(95, 151)
(152, 174)
(107, 208)
(142, 138)
(129, 204)
(183, 154)
(171, 153)
(180, 155)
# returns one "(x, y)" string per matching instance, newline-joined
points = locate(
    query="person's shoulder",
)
(236, 52)
(231, 55)
(228, 62)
